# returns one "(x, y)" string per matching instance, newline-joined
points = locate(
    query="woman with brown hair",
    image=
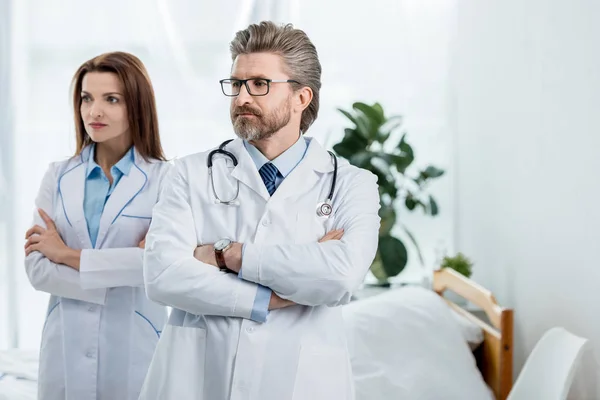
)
(86, 246)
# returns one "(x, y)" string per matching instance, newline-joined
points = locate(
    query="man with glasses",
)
(255, 273)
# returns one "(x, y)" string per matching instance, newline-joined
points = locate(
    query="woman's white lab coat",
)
(210, 349)
(101, 330)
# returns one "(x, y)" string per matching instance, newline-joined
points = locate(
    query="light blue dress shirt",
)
(285, 163)
(98, 189)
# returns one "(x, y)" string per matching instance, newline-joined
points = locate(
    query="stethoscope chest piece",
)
(324, 209)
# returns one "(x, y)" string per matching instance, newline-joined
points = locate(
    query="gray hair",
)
(298, 52)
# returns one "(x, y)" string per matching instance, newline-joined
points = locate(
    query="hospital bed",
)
(413, 343)
(407, 343)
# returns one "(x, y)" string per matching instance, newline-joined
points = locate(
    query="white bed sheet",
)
(18, 375)
(406, 344)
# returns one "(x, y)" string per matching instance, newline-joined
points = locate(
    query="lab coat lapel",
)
(303, 178)
(246, 171)
(127, 189)
(71, 190)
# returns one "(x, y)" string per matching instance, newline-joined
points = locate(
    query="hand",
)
(142, 244)
(206, 254)
(277, 302)
(47, 241)
(332, 235)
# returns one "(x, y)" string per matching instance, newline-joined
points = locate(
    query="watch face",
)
(221, 244)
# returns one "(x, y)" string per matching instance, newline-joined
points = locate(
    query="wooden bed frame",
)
(495, 355)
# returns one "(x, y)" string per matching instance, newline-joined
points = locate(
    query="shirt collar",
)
(285, 162)
(123, 165)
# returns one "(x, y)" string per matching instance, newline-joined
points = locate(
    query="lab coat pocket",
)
(177, 368)
(323, 374)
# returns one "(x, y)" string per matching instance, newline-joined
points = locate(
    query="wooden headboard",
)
(495, 355)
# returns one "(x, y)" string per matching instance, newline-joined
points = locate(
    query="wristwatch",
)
(221, 247)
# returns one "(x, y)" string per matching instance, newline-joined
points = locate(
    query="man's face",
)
(260, 117)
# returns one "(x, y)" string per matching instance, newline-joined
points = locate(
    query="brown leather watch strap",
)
(221, 260)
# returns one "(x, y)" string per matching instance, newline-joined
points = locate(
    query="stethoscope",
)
(324, 209)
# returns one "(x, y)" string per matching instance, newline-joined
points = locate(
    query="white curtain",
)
(390, 51)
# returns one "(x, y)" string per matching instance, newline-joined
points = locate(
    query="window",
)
(184, 45)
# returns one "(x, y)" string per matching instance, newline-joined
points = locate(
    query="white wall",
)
(526, 78)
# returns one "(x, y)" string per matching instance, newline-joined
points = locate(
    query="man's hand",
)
(206, 254)
(142, 244)
(277, 302)
(332, 235)
(50, 244)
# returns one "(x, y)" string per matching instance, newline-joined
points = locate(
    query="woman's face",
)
(103, 108)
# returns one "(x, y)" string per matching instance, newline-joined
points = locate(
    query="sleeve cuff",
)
(245, 297)
(84, 269)
(240, 273)
(260, 310)
(251, 255)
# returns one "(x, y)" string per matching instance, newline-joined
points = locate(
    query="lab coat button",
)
(265, 222)
(92, 309)
(90, 354)
(250, 329)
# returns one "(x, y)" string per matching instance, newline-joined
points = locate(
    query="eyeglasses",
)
(254, 86)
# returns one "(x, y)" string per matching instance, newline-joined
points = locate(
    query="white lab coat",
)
(101, 330)
(210, 349)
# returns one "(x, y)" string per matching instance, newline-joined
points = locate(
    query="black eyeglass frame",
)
(245, 82)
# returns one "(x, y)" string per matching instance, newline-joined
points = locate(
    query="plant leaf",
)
(393, 255)
(388, 127)
(432, 172)
(433, 207)
(348, 115)
(350, 145)
(343, 149)
(371, 113)
(377, 107)
(362, 159)
(405, 147)
(386, 182)
(388, 219)
(414, 242)
(401, 162)
(410, 202)
(377, 269)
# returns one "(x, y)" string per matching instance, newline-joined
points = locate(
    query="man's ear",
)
(303, 98)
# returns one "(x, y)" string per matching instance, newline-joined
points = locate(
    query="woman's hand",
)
(50, 244)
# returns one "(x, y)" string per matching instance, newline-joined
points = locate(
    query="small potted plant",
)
(460, 263)
(464, 266)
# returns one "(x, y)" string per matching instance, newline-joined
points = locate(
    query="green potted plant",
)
(460, 263)
(372, 143)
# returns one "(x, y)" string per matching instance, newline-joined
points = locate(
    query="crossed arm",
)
(233, 260)
(179, 274)
(55, 268)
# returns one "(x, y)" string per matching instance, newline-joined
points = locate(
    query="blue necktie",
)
(268, 173)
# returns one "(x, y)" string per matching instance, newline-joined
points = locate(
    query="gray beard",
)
(262, 127)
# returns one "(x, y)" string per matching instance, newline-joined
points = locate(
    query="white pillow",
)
(469, 330)
(405, 344)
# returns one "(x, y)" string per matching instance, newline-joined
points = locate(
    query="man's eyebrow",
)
(259, 76)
